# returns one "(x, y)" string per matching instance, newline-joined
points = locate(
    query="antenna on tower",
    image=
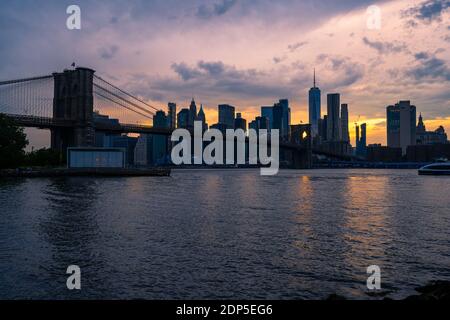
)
(314, 77)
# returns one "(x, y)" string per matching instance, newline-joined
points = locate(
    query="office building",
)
(345, 135)
(259, 123)
(401, 125)
(183, 119)
(268, 113)
(282, 118)
(152, 150)
(361, 140)
(192, 114)
(314, 108)
(202, 117)
(333, 117)
(240, 123)
(172, 115)
(226, 115)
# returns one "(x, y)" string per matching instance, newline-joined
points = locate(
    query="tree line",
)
(13, 142)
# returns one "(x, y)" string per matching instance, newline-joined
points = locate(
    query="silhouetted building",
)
(259, 123)
(323, 128)
(430, 137)
(401, 125)
(427, 152)
(183, 118)
(361, 140)
(379, 153)
(240, 123)
(282, 118)
(202, 117)
(268, 113)
(221, 127)
(152, 149)
(172, 115)
(192, 114)
(314, 108)
(227, 115)
(128, 144)
(345, 135)
(333, 120)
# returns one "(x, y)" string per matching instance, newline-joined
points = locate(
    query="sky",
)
(247, 53)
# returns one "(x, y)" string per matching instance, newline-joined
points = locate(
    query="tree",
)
(12, 143)
(43, 158)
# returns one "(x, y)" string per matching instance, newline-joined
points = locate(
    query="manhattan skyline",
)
(226, 52)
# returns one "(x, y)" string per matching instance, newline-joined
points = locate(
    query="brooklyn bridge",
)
(71, 105)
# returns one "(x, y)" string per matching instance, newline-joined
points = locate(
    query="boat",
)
(436, 169)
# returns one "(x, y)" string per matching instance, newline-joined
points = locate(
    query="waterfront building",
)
(226, 115)
(333, 117)
(282, 118)
(361, 140)
(172, 115)
(323, 128)
(423, 136)
(183, 119)
(259, 123)
(314, 108)
(240, 123)
(268, 113)
(379, 153)
(192, 114)
(401, 125)
(345, 135)
(152, 149)
(202, 117)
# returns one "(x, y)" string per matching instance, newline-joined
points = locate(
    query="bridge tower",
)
(301, 136)
(73, 100)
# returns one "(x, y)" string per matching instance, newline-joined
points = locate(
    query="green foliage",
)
(43, 158)
(12, 144)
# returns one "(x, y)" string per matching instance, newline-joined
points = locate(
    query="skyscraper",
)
(282, 118)
(152, 149)
(314, 108)
(345, 136)
(240, 123)
(361, 140)
(201, 117)
(226, 115)
(183, 118)
(268, 113)
(333, 119)
(172, 115)
(401, 125)
(192, 113)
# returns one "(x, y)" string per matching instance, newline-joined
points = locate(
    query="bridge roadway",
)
(50, 123)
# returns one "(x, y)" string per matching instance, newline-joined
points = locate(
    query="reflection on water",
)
(224, 234)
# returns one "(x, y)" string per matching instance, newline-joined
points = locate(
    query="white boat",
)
(436, 169)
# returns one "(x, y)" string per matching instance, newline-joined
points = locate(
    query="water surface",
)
(224, 234)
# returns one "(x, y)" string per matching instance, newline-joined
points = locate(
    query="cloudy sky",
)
(245, 52)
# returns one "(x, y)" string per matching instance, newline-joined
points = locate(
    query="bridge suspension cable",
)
(122, 105)
(126, 93)
(2, 83)
(27, 97)
(117, 103)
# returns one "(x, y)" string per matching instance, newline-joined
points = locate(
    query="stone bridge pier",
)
(73, 101)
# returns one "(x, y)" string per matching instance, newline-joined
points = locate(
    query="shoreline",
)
(84, 172)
